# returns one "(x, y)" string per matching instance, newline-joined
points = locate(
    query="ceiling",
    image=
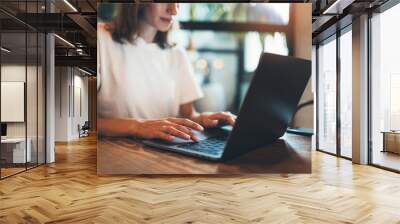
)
(330, 15)
(72, 20)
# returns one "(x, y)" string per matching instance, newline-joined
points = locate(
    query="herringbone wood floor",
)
(69, 191)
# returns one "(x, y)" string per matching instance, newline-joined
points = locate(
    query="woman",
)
(146, 86)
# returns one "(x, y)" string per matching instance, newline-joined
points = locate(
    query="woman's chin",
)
(164, 28)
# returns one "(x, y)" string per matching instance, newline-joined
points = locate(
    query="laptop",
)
(269, 105)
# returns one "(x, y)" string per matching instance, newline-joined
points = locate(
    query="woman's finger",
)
(224, 116)
(218, 115)
(209, 122)
(187, 123)
(187, 131)
(164, 136)
(175, 132)
(182, 128)
(231, 120)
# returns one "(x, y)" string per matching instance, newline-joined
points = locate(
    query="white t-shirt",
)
(141, 80)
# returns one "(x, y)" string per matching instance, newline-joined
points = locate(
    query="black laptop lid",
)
(270, 103)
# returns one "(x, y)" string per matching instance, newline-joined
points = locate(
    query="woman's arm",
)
(166, 129)
(207, 119)
(118, 127)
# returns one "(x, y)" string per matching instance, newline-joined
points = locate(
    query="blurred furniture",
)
(13, 150)
(391, 141)
(213, 99)
(84, 130)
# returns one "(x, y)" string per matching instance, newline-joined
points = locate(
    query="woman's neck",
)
(147, 32)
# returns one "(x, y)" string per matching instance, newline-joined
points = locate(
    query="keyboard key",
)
(212, 146)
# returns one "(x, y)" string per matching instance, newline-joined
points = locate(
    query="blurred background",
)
(224, 42)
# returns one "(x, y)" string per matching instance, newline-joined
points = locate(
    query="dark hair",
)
(126, 24)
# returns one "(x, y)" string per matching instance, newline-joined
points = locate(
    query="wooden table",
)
(290, 154)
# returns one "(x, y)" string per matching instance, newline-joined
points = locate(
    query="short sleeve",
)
(188, 88)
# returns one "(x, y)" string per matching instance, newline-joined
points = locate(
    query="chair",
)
(84, 130)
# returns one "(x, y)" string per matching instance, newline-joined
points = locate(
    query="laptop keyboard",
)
(213, 146)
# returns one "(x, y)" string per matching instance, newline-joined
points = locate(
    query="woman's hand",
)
(168, 129)
(209, 119)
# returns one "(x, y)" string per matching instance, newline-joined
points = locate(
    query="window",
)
(23, 79)
(346, 94)
(385, 88)
(334, 94)
(394, 102)
(327, 96)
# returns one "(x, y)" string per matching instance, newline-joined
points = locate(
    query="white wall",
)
(14, 73)
(11, 73)
(61, 103)
(71, 94)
